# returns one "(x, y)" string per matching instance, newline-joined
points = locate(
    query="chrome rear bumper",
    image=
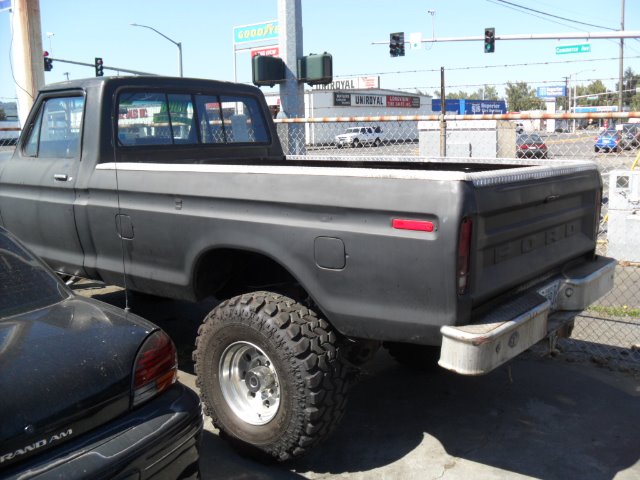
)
(516, 325)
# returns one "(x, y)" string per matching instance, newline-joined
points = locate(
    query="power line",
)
(506, 65)
(528, 9)
(505, 83)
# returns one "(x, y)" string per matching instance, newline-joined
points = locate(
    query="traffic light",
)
(267, 70)
(48, 62)
(99, 67)
(396, 44)
(489, 40)
(316, 69)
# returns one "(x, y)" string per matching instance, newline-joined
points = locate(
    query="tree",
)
(490, 93)
(460, 95)
(521, 98)
(3, 116)
(594, 88)
(486, 93)
(629, 82)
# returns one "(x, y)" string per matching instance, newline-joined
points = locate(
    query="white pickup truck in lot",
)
(358, 136)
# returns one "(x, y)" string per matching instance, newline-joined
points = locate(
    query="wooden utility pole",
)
(621, 61)
(28, 63)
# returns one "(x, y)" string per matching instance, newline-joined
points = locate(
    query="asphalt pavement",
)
(537, 417)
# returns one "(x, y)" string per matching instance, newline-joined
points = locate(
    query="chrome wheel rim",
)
(249, 383)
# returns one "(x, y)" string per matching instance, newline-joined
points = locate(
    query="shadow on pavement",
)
(537, 417)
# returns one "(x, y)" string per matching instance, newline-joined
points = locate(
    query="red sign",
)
(273, 51)
(402, 101)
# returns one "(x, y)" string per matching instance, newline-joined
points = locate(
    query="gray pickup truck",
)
(179, 188)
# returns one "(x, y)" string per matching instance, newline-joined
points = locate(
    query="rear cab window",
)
(175, 118)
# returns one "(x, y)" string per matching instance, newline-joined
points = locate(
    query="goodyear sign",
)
(256, 32)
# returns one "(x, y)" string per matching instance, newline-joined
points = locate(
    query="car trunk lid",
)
(80, 353)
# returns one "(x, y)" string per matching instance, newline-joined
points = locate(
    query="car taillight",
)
(464, 254)
(156, 367)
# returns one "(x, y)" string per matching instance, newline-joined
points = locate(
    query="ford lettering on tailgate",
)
(523, 245)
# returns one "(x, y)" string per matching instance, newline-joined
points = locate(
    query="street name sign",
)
(582, 48)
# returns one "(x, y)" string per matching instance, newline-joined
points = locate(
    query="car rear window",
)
(25, 284)
(532, 138)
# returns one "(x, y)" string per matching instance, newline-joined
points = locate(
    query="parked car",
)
(608, 140)
(88, 390)
(531, 145)
(359, 136)
(630, 135)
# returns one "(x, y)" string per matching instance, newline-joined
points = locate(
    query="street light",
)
(575, 91)
(177, 44)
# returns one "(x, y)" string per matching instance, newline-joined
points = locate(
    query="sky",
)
(82, 30)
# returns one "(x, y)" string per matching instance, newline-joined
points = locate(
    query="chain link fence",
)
(607, 333)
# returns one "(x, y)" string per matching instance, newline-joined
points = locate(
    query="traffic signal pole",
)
(105, 67)
(292, 91)
(536, 36)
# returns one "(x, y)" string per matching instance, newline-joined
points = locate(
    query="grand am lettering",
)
(532, 242)
(35, 445)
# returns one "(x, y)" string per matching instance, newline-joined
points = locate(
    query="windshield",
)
(353, 130)
(25, 284)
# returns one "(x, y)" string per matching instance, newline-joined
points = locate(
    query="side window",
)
(228, 119)
(182, 119)
(56, 131)
(156, 118)
(151, 118)
(143, 119)
(242, 120)
(210, 118)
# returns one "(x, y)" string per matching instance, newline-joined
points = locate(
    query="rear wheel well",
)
(228, 272)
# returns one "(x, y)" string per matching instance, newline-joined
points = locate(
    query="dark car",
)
(608, 140)
(530, 145)
(630, 135)
(88, 390)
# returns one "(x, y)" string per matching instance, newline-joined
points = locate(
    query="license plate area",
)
(550, 292)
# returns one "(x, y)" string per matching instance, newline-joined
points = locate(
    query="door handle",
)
(61, 177)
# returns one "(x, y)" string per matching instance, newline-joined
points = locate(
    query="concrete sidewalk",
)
(537, 418)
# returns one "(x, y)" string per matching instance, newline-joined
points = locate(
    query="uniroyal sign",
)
(351, 83)
(273, 51)
(343, 99)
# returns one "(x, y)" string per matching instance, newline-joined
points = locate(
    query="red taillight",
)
(156, 367)
(464, 254)
(419, 225)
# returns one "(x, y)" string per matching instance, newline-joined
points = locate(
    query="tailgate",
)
(524, 230)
